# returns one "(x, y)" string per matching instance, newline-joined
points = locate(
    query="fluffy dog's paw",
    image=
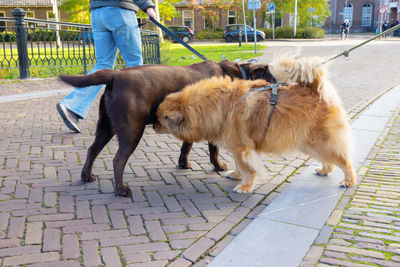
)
(347, 183)
(125, 191)
(320, 172)
(88, 178)
(234, 175)
(243, 188)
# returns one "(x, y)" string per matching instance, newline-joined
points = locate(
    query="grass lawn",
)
(171, 54)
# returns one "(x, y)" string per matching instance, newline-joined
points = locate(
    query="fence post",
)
(84, 34)
(22, 46)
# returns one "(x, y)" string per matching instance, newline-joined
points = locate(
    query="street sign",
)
(382, 10)
(271, 7)
(253, 4)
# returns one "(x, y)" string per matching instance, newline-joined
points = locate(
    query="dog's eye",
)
(165, 117)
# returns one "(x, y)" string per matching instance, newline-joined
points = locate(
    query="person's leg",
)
(126, 33)
(80, 100)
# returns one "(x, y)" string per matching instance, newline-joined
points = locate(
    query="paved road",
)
(175, 216)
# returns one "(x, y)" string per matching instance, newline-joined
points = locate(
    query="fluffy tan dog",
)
(308, 117)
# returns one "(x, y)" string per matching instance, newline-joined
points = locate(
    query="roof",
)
(22, 3)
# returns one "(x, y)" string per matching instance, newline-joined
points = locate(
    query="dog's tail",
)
(309, 72)
(99, 77)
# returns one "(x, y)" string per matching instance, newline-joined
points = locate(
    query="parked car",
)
(87, 36)
(183, 32)
(231, 33)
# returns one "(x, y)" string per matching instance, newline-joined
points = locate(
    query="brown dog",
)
(308, 117)
(131, 99)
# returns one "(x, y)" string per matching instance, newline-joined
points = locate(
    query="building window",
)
(188, 18)
(30, 15)
(366, 15)
(231, 17)
(348, 13)
(2, 23)
(52, 17)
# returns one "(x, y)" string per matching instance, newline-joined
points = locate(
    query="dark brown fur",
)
(130, 101)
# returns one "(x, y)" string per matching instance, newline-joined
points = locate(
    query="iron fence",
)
(31, 43)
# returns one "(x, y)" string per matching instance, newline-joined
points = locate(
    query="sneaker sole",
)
(71, 126)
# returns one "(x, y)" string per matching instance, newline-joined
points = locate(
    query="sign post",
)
(382, 11)
(244, 22)
(271, 11)
(254, 4)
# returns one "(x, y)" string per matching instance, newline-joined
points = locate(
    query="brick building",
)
(196, 21)
(363, 15)
(37, 9)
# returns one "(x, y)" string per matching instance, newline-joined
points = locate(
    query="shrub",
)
(287, 33)
(210, 34)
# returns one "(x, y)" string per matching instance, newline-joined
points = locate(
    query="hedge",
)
(287, 33)
(210, 34)
(42, 35)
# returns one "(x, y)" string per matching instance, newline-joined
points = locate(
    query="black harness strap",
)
(244, 76)
(272, 100)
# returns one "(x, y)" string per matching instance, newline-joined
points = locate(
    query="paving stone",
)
(70, 248)
(110, 257)
(197, 249)
(312, 256)
(31, 258)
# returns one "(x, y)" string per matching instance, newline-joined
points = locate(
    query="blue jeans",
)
(112, 28)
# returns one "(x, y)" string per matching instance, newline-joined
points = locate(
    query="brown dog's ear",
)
(258, 71)
(230, 68)
(175, 118)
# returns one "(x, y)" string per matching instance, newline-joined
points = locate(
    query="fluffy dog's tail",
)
(99, 77)
(309, 72)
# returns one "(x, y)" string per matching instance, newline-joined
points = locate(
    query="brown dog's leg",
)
(183, 162)
(218, 166)
(128, 139)
(103, 136)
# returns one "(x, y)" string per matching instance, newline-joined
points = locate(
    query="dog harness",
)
(272, 100)
(244, 76)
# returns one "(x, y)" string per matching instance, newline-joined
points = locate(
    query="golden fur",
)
(308, 117)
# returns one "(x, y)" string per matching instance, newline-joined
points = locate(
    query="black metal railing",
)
(31, 43)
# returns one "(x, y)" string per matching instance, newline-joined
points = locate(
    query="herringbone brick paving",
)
(364, 229)
(48, 215)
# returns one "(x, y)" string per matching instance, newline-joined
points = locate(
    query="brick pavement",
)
(175, 217)
(364, 229)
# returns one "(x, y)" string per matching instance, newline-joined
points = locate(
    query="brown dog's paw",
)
(220, 167)
(88, 178)
(184, 165)
(125, 191)
(243, 188)
(234, 175)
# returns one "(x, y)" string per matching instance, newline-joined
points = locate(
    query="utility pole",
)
(244, 22)
(55, 12)
(295, 17)
(159, 31)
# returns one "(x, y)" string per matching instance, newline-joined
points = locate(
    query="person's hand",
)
(151, 13)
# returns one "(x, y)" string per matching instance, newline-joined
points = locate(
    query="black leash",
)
(176, 38)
